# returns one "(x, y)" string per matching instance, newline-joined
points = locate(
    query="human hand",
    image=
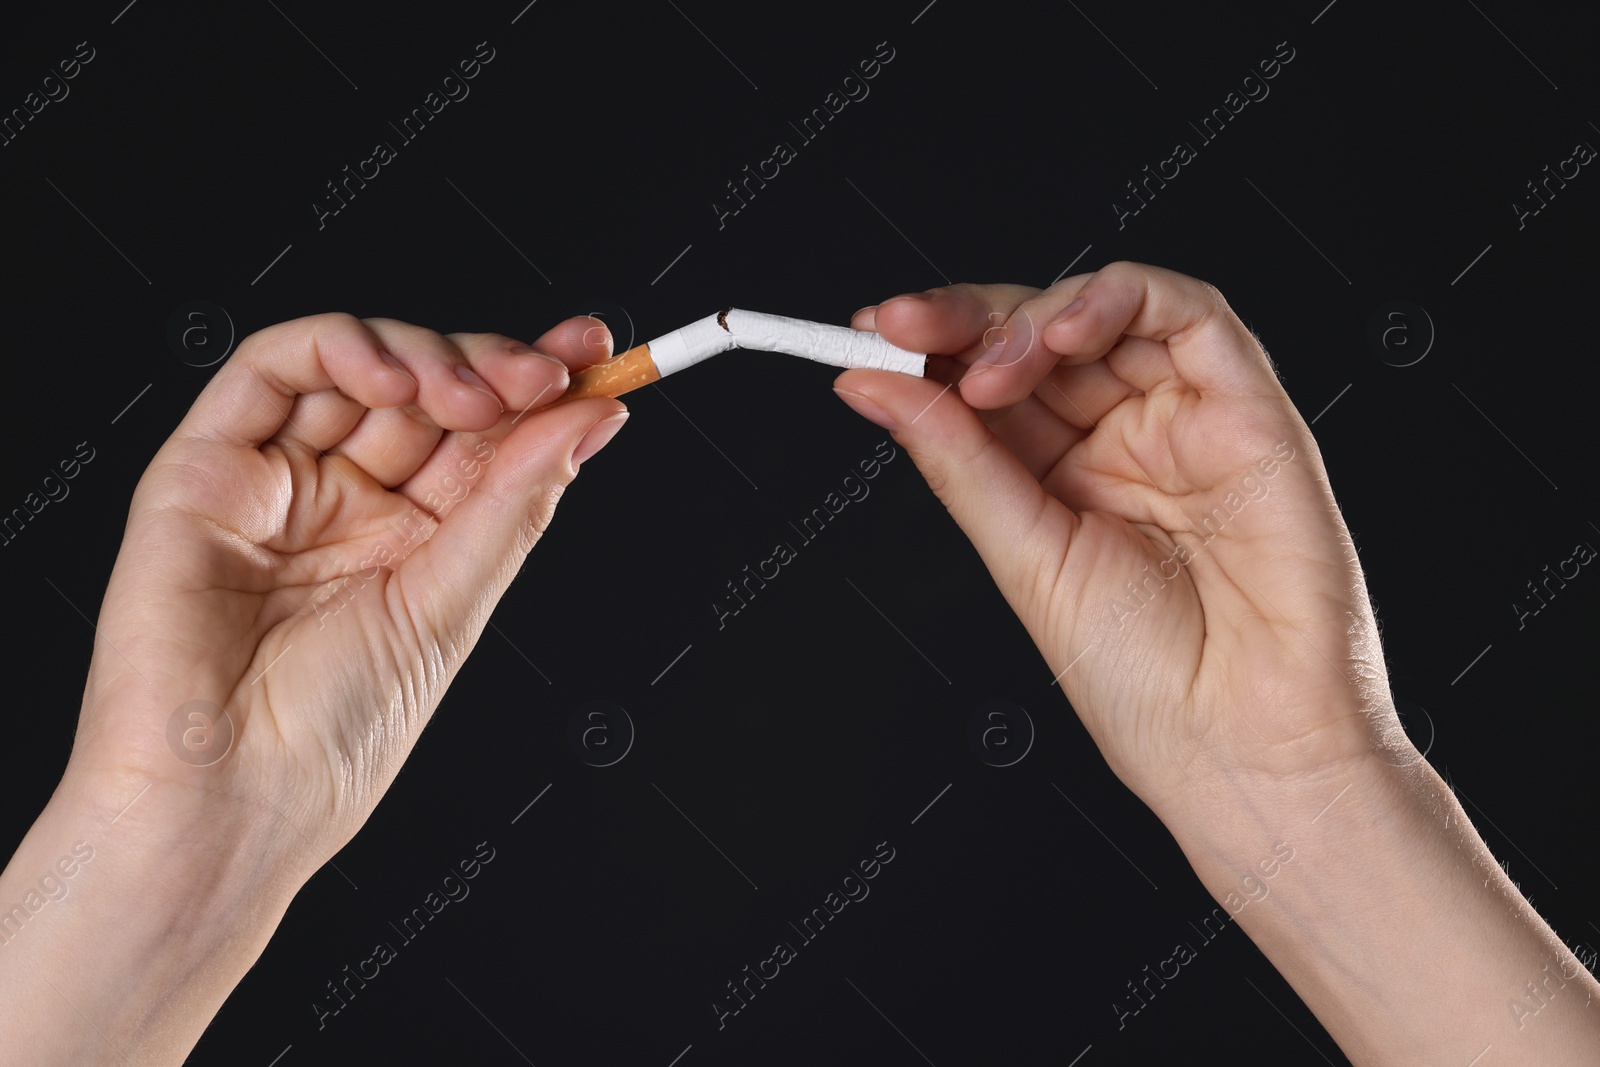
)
(1155, 510)
(1120, 452)
(304, 553)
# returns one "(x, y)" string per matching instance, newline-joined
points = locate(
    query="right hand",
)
(1115, 412)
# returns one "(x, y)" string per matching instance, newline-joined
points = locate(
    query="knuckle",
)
(1121, 269)
(331, 323)
(934, 474)
(311, 331)
(1023, 330)
(934, 468)
(415, 338)
(541, 511)
(939, 471)
(335, 326)
(465, 338)
(1122, 276)
(978, 447)
(1217, 312)
(1214, 299)
(470, 344)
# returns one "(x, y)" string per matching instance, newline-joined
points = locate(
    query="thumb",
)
(1021, 532)
(451, 583)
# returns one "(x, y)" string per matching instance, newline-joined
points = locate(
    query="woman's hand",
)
(1153, 507)
(307, 562)
(314, 552)
(1155, 510)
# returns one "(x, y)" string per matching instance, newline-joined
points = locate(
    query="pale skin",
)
(305, 453)
(1238, 696)
(1248, 693)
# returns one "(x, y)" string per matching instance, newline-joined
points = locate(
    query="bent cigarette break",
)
(838, 346)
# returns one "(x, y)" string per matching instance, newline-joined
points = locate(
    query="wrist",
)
(176, 843)
(1228, 813)
(142, 923)
(1356, 879)
(200, 818)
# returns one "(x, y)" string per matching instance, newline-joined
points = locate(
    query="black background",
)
(826, 716)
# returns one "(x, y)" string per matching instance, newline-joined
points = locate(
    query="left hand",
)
(305, 554)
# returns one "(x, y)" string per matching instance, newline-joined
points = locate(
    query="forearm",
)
(1392, 920)
(139, 927)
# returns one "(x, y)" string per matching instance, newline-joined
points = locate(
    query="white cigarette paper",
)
(838, 346)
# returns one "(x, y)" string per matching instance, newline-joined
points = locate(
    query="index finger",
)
(951, 321)
(580, 341)
(249, 398)
(1211, 349)
(1081, 319)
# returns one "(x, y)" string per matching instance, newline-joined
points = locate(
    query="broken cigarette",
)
(838, 346)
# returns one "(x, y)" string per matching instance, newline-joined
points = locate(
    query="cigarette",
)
(838, 346)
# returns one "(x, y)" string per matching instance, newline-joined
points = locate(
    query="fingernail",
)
(921, 298)
(599, 435)
(529, 350)
(871, 312)
(561, 377)
(397, 365)
(597, 334)
(867, 409)
(468, 375)
(991, 356)
(1067, 312)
